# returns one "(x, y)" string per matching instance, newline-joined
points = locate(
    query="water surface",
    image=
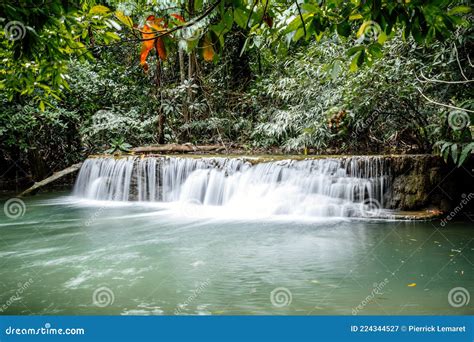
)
(70, 256)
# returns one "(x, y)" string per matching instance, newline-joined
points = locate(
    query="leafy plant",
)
(118, 145)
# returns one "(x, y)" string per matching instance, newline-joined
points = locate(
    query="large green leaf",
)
(466, 152)
(240, 17)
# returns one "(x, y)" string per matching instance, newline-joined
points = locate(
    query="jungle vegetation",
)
(298, 76)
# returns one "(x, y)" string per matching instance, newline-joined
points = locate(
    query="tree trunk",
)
(182, 74)
(175, 148)
(161, 115)
(191, 67)
(38, 168)
(191, 71)
(57, 175)
(241, 73)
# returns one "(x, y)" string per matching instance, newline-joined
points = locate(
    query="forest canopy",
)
(373, 76)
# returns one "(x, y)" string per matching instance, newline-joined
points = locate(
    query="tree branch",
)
(301, 16)
(442, 104)
(426, 79)
(264, 12)
(459, 63)
(177, 28)
(250, 13)
(469, 60)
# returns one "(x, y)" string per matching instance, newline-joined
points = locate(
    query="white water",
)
(349, 187)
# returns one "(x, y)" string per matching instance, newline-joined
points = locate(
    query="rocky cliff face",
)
(426, 181)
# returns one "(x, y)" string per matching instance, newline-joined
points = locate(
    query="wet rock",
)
(426, 181)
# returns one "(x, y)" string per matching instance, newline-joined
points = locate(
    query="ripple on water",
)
(39, 251)
(92, 277)
(85, 276)
(65, 260)
(143, 309)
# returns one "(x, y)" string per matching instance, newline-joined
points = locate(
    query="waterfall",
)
(343, 187)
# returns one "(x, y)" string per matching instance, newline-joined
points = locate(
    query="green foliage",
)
(43, 139)
(313, 98)
(118, 146)
(38, 40)
(332, 76)
(113, 100)
(458, 152)
(107, 100)
(35, 64)
(108, 125)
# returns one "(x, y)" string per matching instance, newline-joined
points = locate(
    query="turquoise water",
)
(65, 256)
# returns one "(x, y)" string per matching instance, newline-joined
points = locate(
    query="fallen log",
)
(55, 176)
(176, 148)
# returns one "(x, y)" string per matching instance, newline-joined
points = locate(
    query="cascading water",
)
(343, 187)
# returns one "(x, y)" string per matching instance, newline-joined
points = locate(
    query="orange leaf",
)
(157, 23)
(177, 16)
(152, 25)
(147, 46)
(143, 55)
(208, 50)
(160, 47)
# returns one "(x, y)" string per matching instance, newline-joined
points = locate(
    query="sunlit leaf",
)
(124, 19)
(99, 9)
(460, 10)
